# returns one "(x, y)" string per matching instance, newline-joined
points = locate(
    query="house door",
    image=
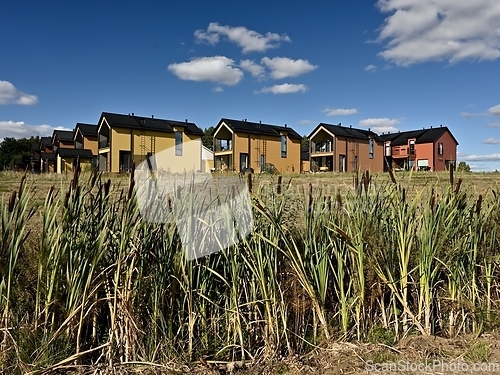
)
(341, 163)
(243, 162)
(125, 161)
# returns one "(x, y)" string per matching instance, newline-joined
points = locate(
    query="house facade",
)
(337, 148)
(433, 149)
(126, 139)
(242, 145)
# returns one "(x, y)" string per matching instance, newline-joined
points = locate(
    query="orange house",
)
(433, 149)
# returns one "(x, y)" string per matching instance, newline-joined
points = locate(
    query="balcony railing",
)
(319, 147)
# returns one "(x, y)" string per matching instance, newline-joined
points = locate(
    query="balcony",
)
(321, 147)
(223, 145)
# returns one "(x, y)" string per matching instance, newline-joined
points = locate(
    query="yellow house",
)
(126, 139)
(68, 158)
(242, 145)
(85, 137)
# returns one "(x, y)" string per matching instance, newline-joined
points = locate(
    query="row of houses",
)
(242, 145)
(119, 140)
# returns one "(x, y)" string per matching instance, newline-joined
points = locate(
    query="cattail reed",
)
(278, 187)
(391, 174)
(459, 183)
(21, 185)
(12, 201)
(249, 179)
(478, 204)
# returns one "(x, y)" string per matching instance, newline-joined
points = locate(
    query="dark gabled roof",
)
(47, 156)
(421, 136)
(75, 153)
(347, 132)
(259, 128)
(63, 135)
(46, 141)
(149, 123)
(87, 130)
(35, 147)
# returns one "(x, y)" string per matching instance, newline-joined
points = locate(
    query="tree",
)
(207, 139)
(304, 142)
(12, 148)
(463, 167)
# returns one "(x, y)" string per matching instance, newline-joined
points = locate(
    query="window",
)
(371, 148)
(283, 146)
(412, 147)
(178, 143)
(440, 149)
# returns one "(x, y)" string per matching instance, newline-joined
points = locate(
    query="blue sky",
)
(386, 65)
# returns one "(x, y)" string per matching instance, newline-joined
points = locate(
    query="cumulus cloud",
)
(219, 69)
(253, 68)
(495, 111)
(417, 31)
(283, 67)
(285, 88)
(490, 157)
(19, 129)
(370, 68)
(491, 141)
(9, 94)
(380, 125)
(494, 125)
(340, 111)
(217, 89)
(470, 115)
(248, 40)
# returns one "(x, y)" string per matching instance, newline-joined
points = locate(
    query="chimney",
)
(260, 121)
(132, 114)
(431, 126)
(245, 120)
(368, 129)
(441, 125)
(285, 125)
(340, 124)
(350, 126)
(153, 116)
(186, 121)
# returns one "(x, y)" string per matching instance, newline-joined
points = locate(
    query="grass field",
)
(364, 260)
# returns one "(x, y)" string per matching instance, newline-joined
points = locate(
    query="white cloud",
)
(10, 95)
(248, 40)
(491, 141)
(283, 67)
(434, 30)
(370, 68)
(340, 111)
(218, 69)
(494, 125)
(285, 88)
(470, 115)
(491, 157)
(217, 89)
(255, 70)
(306, 122)
(495, 111)
(380, 125)
(19, 129)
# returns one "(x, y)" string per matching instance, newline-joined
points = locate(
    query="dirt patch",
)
(466, 354)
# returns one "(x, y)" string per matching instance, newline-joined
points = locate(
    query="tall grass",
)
(111, 288)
